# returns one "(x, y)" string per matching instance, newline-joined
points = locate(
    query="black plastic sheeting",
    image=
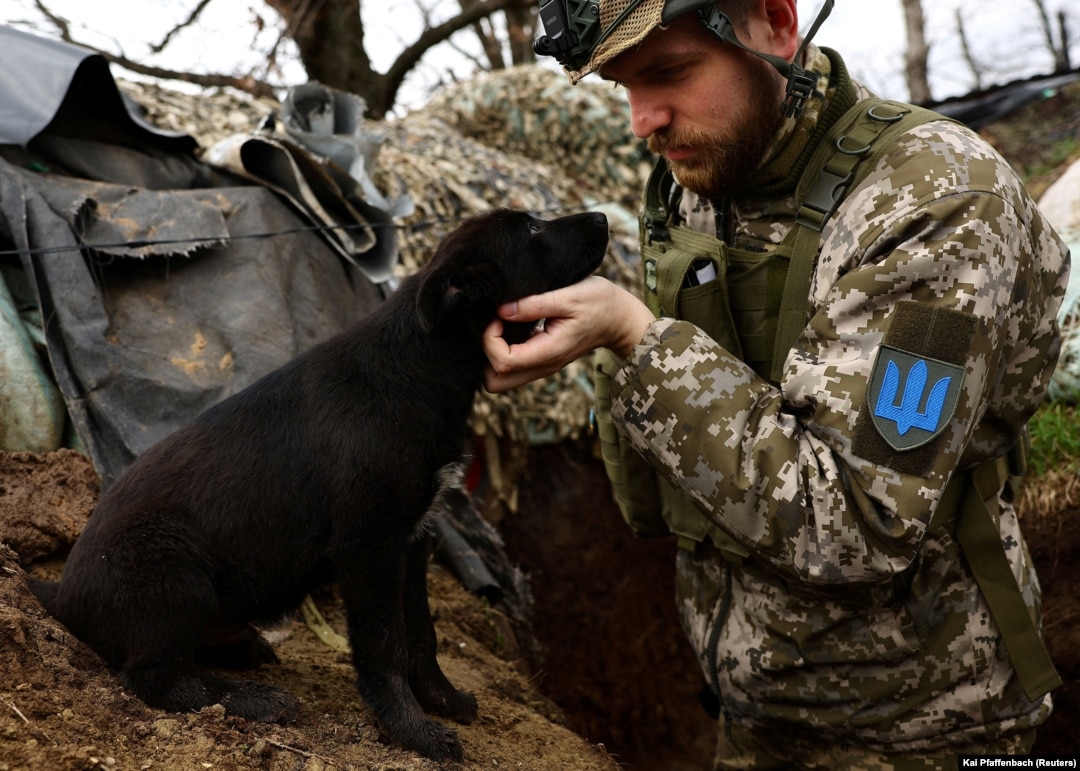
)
(165, 284)
(979, 109)
(49, 85)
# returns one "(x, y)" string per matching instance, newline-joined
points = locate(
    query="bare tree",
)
(1059, 52)
(247, 83)
(329, 35)
(520, 32)
(1064, 64)
(917, 54)
(969, 57)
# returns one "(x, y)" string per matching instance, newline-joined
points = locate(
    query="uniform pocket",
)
(705, 306)
(875, 636)
(806, 630)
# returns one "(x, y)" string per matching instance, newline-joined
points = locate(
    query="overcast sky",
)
(1004, 34)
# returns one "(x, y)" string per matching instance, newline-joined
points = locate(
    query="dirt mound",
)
(62, 708)
(1049, 512)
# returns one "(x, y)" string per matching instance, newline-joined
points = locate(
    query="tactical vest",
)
(755, 304)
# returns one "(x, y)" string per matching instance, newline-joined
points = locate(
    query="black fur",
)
(321, 471)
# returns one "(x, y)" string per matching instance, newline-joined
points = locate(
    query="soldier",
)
(849, 316)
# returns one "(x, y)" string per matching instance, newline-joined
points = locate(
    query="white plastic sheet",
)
(1061, 205)
(32, 409)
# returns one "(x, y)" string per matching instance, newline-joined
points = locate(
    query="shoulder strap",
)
(848, 153)
(970, 502)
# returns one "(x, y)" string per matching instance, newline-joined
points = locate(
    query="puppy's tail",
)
(45, 591)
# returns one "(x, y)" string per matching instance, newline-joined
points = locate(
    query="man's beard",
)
(723, 164)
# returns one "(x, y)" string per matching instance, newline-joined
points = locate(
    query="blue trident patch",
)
(912, 397)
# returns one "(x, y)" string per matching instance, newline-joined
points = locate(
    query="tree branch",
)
(245, 83)
(191, 19)
(432, 36)
(248, 83)
(61, 23)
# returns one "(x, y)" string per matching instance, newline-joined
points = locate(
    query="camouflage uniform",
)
(852, 621)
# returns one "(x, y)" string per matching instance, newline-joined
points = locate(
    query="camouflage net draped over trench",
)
(523, 138)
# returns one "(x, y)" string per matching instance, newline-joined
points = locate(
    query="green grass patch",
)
(1057, 154)
(1055, 438)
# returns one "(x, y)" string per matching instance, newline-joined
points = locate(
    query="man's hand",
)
(593, 313)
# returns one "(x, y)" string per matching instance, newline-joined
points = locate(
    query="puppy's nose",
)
(600, 218)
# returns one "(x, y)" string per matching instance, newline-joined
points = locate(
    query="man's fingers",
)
(532, 308)
(496, 382)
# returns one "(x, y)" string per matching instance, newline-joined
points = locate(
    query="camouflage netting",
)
(208, 116)
(523, 138)
(532, 112)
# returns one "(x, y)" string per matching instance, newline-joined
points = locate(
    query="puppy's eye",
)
(535, 229)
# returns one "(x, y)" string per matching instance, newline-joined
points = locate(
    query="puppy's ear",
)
(457, 287)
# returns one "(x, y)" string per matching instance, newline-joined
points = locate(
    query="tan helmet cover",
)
(630, 32)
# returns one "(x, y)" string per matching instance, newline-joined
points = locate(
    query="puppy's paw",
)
(459, 706)
(435, 741)
(260, 701)
(439, 697)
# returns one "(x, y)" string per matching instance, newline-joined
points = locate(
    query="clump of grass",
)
(1051, 489)
(1055, 439)
(1060, 155)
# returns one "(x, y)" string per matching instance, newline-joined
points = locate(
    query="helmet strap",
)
(800, 84)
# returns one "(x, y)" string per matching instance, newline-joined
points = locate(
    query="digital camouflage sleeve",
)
(849, 618)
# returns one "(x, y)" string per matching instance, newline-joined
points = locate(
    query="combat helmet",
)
(584, 34)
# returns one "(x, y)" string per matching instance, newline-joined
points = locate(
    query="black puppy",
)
(321, 471)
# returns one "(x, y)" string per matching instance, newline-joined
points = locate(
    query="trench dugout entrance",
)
(613, 655)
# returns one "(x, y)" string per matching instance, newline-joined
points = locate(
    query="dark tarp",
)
(984, 107)
(160, 290)
(50, 84)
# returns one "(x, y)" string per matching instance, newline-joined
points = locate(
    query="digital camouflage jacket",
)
(851, 619)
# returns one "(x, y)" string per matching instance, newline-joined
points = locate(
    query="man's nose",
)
(648, 114)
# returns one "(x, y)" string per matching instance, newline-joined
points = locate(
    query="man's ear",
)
(454, 287)
(783, 28)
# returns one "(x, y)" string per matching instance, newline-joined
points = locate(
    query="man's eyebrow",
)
(608, 77)
(658, 62)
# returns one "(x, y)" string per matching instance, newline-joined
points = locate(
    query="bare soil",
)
(61, 708)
